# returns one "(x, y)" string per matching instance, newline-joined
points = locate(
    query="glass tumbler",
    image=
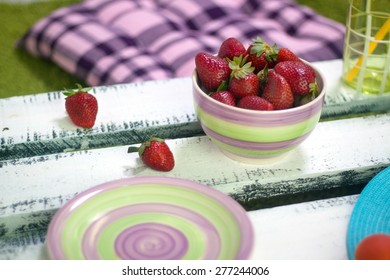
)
(366, 58)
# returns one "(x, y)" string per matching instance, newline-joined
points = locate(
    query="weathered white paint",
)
(339, 154)
(311, 230)
(305, 231)
(333, 147)
(42, 117)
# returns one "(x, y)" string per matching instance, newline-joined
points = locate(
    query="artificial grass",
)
(333, 9)
(23, 74)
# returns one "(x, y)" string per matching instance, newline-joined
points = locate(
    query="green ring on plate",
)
(75, 226)
(193, 234)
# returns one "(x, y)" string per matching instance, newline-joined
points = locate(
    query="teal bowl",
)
(256, 136)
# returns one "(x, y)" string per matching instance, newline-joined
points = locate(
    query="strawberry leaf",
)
(68, 92)
(260, 46)
(240, 70)
(314, 89)
(223, 86)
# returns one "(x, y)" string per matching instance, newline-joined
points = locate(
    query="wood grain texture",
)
(339, 156)
(130, 113)
(320, 225)
(45, 160)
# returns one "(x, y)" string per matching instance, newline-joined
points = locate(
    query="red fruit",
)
(278, 92)
(285, 54)
(81, 106)
(243, 81)
(248, 85)
(156, 154)
(255, 103)
(299, 75)
(230, 48)
(261, 54)
(374, 247)
(260, 62)
(212, 70)
(225, 97)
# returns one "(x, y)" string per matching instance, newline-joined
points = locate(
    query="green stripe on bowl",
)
(249, 152)
(255, 133)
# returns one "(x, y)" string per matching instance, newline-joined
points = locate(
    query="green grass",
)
(22, 74)
(333, 9)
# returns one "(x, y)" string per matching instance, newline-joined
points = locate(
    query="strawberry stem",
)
(132, 150)
(145, 144)
(155, 139)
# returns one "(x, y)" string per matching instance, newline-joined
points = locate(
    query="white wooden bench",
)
(300, 206)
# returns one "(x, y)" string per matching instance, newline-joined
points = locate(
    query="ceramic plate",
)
(150, 218)
(371, 213)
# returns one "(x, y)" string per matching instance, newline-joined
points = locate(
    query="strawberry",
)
(81, 106)
(230, 48)
(248, 85)
(285, 54)
(225, 97)
(254, 102)
(212, 70)
(261, 54)
(156, 154)
(300, 100)
(262, 75)
(299, 75)
(243, 81)
(278, 92)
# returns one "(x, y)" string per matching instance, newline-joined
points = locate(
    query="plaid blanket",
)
(118, 41)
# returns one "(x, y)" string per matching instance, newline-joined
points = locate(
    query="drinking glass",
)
(366, 58)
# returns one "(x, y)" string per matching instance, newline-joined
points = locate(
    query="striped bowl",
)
(256, 136)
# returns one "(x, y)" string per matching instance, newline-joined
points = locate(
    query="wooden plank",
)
(129, 113)
(45, 160)
(316, 230)
(338, 158)
(307, 231)
(23, 236)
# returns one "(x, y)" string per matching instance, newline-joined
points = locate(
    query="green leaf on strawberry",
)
(240, 68)
(79, 89)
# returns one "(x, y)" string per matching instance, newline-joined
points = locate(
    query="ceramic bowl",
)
(150, 218)
(256, 136)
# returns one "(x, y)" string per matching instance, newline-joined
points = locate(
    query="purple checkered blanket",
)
(116, 41)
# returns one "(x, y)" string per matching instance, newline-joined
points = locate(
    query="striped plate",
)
(150, 218)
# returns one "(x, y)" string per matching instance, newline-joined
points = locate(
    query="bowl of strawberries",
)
(256, 103)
